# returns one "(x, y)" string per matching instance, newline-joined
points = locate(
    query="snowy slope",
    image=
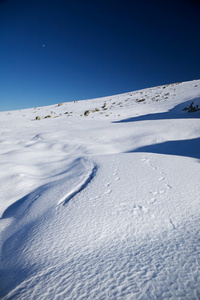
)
(103, 206)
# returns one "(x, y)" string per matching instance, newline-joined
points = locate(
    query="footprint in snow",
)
(145, 160)
(115, 173)
(108, 192)
(153, 200)
(168, 186)
(94, 198)
(145, 209)
(154, 193)
(139, 208)
(161, 178)
(161, 192)
(158, 192)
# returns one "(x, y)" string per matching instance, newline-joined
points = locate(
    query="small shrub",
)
(60, 104)
(191, 108)
(48, 116)
(87, 112)
(97, 109)
(38, 118)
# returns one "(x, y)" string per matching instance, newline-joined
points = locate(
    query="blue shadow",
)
(174, 113)
(190, 148)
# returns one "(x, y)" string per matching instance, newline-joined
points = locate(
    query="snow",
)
(104, 206)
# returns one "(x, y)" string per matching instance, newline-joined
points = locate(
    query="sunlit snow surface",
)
(104, 206)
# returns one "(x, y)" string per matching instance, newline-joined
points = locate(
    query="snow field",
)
(87, 214)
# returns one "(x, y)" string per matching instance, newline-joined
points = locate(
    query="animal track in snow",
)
(161, 192)
(139, 208)
(152, 200)
(162, 187)
(162, 176)
(168, 186)
(94, 198)
(145, 209)
(136, 209)
(145, 160)
(115, 172)
(108, 192)
(148, 161)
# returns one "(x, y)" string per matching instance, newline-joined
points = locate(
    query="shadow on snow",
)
(174, 113)
(189, 147)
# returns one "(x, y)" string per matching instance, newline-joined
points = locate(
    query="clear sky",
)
(58, 50)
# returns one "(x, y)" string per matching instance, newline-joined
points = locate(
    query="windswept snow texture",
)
(102, 206)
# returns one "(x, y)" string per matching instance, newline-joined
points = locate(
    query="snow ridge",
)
(80, 187)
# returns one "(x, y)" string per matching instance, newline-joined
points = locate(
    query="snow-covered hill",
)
(100, 199)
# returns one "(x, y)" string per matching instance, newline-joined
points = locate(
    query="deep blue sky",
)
(58, 50)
